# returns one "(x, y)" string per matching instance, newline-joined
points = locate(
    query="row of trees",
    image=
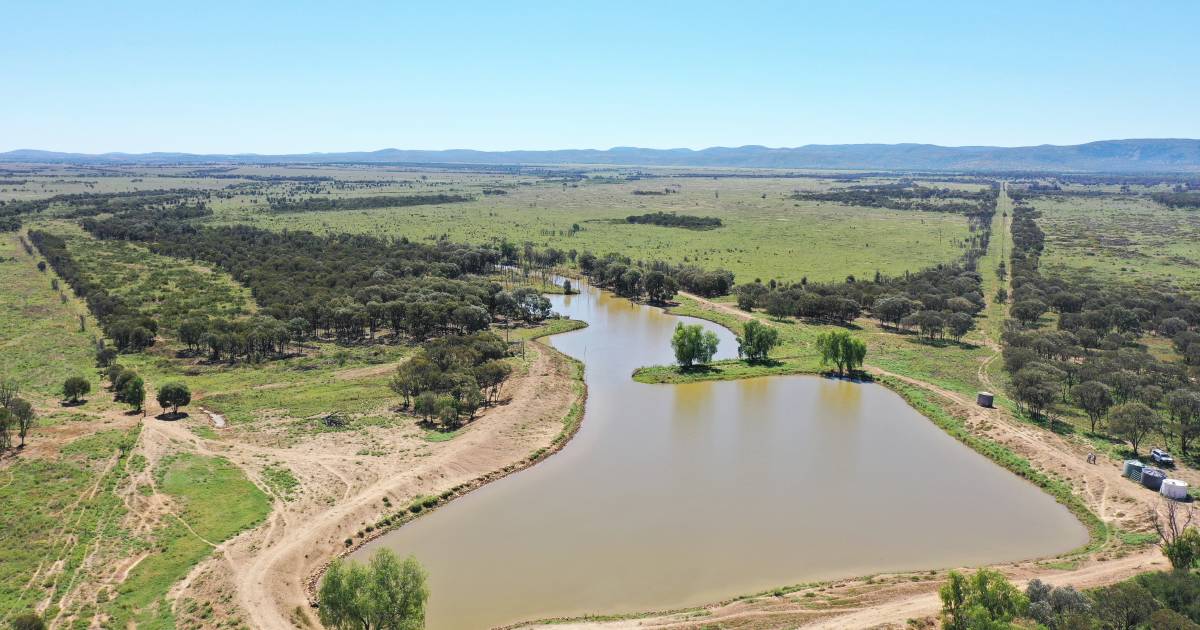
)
(324, 204)
(937, 302)
(1093, 359)
(1187, 200)
(451, 378)
(349, 287)
(129, 388)
(92, 204)
(906, 195)
(130, 330)
(618, 274)
(657, 280)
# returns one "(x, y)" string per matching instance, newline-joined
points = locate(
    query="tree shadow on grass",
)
(74, 403)
(698, 369)
(944, 343)
(856, 376)
(172, 416)
(767, 363)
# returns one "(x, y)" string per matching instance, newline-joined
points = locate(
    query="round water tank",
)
(1174, 489)
(1152, 478)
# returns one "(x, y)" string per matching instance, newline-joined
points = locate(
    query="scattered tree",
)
(174, 394)
(6, 423)
(1029, 311)
(1124, 605)
(386, 594)
(76, 387)
(133, 392)
(23, 416)
(1184, 408)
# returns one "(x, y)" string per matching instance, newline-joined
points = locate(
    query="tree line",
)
(1093, 359)
(92, 204)
(1186, 200)
(986, 599)
(129, 329)
(937, 302)
(906, 195)
(323, 204)
(350, 287)
(657, 280)
(671, 219)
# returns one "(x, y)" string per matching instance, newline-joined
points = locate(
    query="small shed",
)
(985, 399)
(1153, 478)
(1133, 469)
(1174, 489)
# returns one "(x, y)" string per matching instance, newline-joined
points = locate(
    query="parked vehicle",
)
(1161, 457)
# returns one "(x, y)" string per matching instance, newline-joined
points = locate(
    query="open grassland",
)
(766, 234)
(212, 501)
(1123, 238)
(53, 511)
(40, 336)
(293, 392)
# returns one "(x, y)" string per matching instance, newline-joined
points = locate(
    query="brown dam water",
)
(678, 495)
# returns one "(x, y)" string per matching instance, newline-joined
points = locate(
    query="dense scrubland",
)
(383, 309)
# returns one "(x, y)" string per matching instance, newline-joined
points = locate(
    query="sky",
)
(297, 77)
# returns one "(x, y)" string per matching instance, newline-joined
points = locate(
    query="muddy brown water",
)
(679, 495)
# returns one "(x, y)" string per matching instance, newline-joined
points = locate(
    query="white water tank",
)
(1174, 489)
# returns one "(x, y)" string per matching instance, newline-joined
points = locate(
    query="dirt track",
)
(269, 566)
(343, 479)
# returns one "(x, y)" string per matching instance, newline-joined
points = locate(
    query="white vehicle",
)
(1161, 457)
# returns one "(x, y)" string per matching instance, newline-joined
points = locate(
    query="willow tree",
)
(841, 349)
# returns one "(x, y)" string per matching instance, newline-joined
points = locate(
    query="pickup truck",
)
(1161, 457)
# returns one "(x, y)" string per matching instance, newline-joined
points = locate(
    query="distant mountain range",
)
(1113, 156)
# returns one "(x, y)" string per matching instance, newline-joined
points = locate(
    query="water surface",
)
(677, 495)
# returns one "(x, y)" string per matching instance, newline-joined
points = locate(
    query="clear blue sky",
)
(328, 76)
